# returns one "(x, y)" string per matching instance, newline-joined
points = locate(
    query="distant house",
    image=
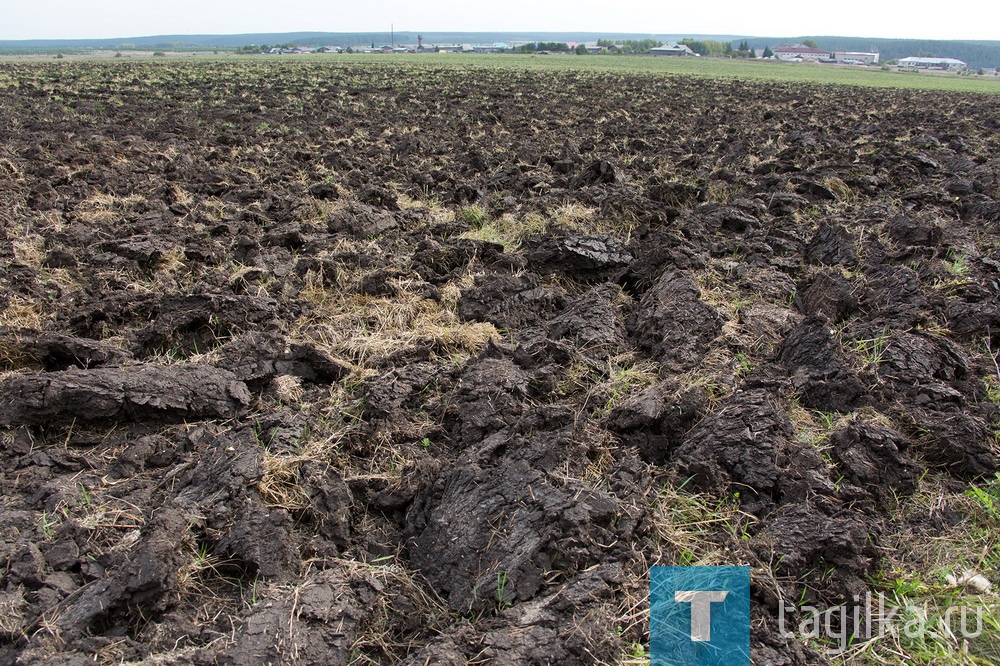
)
(933, 63)
(453, 48)
(800, 52)
(496, 47)
(672, 50)
(289, 50)
(856, 57)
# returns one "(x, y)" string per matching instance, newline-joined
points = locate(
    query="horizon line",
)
(483, 32)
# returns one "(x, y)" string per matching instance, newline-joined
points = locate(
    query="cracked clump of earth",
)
(330, 363)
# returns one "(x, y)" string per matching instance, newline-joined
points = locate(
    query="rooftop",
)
(933, 61)
(800, 48)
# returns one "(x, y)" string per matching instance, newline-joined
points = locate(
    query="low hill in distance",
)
(975, 53)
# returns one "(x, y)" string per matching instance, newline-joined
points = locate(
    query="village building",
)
(452, 48)
(672, 50)
(856, 57)
(800, 52)
(933, 63)
(495, 47)
(289, 50)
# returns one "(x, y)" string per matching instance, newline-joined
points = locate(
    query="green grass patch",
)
(718, 68)
(765, 70)
(929, 578)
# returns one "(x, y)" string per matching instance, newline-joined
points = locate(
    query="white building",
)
(800, 52)
(856, 57)
(672, 50)
(495, 47)
(453, 48)
(933, 63)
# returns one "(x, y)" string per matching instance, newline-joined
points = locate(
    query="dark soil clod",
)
(328, 361)
(160, 393)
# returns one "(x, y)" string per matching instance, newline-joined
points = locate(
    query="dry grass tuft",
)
(280, 484)
(102, 208)
(686, 523)
(21, 313)
(451, 293)
(574, 217)
(172, 261)
(689, 529)
(625, 378)
(181, 196)
(841, 189)
(601, 457)
(111, 518)
(13, 356)
(10, 170)
(718, 290)
(813, 426)
(363, 328)
(12, 605)
(437, 212)
(384, 640)
(29, 250)
(506, 230)
(202, 566)
(288, 388)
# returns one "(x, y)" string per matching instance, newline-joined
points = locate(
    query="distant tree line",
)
(263, 48)
(709, 47)
(715, 49)
(544, 46)
(630, 46)
(976, 54)
(744, 50)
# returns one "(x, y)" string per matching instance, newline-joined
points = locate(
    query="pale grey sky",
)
(67, 19)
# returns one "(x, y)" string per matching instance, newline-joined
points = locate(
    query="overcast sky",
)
(67, 19)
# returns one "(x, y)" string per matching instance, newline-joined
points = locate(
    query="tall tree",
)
(630, 46)
(706, 47)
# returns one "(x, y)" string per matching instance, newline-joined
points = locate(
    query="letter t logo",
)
(701, 611)
(686, 600)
